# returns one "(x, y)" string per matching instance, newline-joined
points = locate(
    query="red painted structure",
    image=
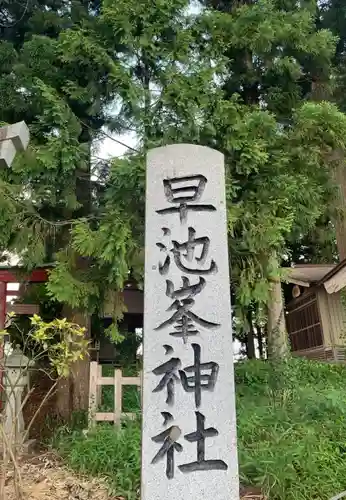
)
(15, 275)
(10, 275)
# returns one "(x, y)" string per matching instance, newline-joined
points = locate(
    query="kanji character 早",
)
(181, 191)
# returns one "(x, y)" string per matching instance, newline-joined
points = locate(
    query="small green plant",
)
(62, 342)
(292, 428)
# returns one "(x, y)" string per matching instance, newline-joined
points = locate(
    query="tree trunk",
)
(260, 341)
(81, 369)
(250, 339)
(73, 391)
(277, 343)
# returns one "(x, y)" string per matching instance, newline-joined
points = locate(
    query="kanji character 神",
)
(169, 370)
(204, 376)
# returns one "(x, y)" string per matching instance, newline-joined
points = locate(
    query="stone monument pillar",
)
(13, 138)
(189, 447)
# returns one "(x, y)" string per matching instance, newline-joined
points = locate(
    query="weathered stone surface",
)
(188, 376)
(16, 379)
(18, 133)
(13, 138)
(7, 153)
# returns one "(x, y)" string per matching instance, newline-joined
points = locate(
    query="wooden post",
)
(277, 334)
(140, 388)
(93, 391)
(3, 291)
(99, 387)
(2, 304)
(118, 396)
(96, 381)
(337, 169)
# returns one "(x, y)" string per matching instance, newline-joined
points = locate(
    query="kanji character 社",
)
(199, 437)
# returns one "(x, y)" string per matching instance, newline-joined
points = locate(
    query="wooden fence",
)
(95, 394)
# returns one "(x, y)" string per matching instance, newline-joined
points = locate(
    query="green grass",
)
(291, 434)
(107, 453)
(292, 429)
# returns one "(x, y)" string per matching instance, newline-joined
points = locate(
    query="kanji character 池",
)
(185, 254)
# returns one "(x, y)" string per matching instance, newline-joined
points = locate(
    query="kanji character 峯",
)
(184, 320)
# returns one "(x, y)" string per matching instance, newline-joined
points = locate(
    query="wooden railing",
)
(95, 394)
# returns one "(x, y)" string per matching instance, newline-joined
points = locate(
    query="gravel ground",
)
(44, 477)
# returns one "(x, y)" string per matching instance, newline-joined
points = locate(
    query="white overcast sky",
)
(108, 148)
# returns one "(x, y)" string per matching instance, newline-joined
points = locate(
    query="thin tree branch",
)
(46, 397)
(10, 451)
(19, 20)
(109, 137)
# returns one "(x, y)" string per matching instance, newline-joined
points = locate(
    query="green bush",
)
(291, 434)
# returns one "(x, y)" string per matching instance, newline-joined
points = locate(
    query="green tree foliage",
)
(55, 78)
(275, 140)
